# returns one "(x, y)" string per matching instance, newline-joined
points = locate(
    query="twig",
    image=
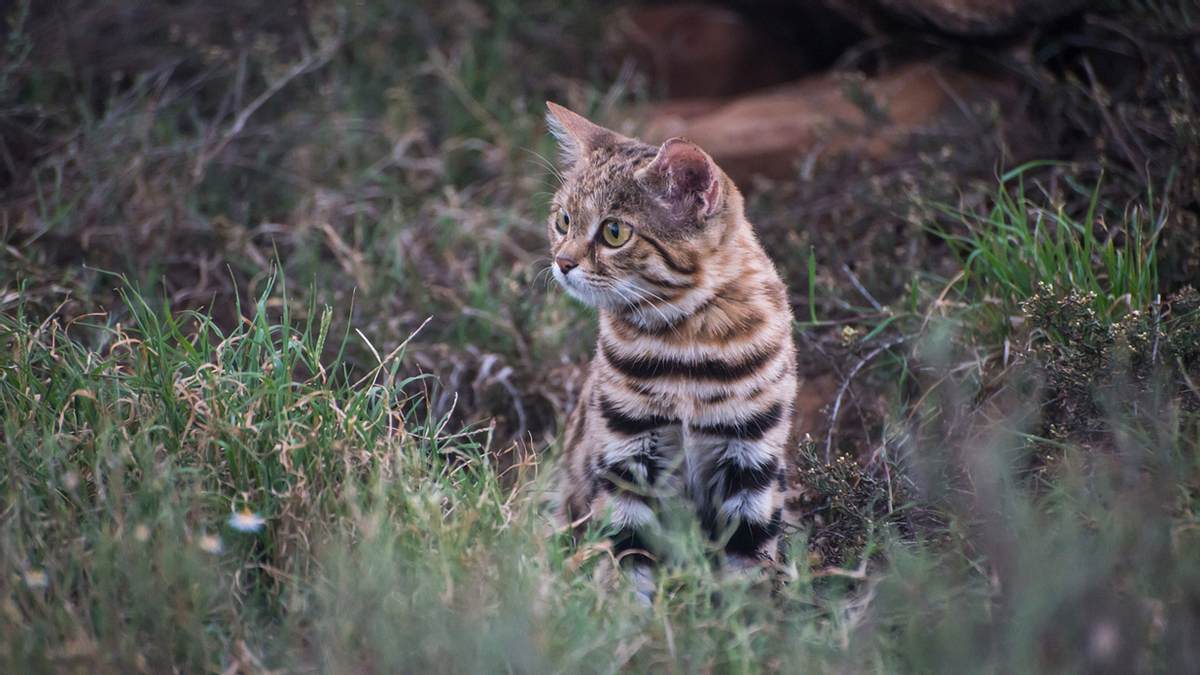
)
(310, 63)
(837, 403)
(1120, 139)
(941, 298)
(881, 454)
(1187, 378)
(1157, 323)
(861, 289)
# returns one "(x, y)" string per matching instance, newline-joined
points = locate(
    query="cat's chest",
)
(683, 380)
(683, 399)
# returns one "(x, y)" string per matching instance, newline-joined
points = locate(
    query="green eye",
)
(615, 233)
(562, 221)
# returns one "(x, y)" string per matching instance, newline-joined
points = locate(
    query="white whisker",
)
(639, 291)
(546, 164)
(545, 275)
(648, 292)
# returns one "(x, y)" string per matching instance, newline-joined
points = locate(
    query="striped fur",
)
(693, 383)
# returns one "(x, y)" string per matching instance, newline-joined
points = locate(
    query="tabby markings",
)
(668, 259)
(628, 425)
(649, 367)
(751, 429)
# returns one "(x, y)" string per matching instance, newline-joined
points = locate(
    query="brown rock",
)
(963, 17)
(792, 128)
(699, 50)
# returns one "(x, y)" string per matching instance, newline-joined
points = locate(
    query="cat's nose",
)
(566, 263)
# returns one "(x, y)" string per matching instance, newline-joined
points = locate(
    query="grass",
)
(333, 315)
(393, 541)
(1019, 246)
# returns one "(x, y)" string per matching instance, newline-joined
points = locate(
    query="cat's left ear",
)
(686, 176)
(577, 136)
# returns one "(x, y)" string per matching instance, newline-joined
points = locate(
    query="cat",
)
(693, 382)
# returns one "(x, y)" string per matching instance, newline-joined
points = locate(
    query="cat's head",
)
(632, 224)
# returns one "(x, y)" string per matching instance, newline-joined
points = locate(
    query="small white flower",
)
(36, 579)
(141, 533)
(210, 543)
(246, 521)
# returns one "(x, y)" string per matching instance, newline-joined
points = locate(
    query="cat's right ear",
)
(686, 177)
(576, 135)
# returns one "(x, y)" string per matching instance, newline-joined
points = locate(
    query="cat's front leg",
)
(627, 475)
(633, 465)
(741, 478)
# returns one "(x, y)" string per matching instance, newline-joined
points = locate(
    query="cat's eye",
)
(562, 221)
(615, 233)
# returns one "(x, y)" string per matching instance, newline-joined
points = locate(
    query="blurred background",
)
(288, 257)
(390, 157)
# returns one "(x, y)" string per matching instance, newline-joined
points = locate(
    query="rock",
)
(700, 50)
(961, 17)
(792, 128)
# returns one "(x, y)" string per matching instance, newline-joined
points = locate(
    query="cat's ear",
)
(576, 135)
(686, 176)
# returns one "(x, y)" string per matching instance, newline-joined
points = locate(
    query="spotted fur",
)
(693, 383)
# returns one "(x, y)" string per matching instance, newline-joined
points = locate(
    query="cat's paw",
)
(638, 576)
(642, 578)
(746, 568)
